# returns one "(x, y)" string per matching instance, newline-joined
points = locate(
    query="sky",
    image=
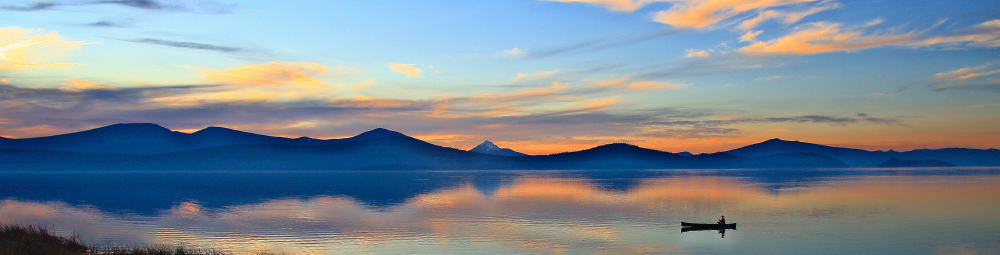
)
(538, 77)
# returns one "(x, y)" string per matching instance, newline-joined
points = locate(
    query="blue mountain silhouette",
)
(148, 138)
(152, 147)
(863, 158)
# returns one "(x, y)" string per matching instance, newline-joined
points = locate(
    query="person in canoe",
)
(723, 220)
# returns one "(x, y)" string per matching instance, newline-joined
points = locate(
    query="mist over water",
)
(947, 210)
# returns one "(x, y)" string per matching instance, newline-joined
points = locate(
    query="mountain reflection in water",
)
(565, 213)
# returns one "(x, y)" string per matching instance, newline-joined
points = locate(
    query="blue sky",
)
(535, 76)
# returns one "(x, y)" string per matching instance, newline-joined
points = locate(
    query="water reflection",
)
(705, 226)
(546, 214)
(721, 230)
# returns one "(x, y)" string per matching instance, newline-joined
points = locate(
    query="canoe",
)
(708, 225)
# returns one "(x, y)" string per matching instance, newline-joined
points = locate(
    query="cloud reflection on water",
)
(555, 215)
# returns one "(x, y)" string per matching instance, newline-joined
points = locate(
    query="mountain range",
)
(152, 147)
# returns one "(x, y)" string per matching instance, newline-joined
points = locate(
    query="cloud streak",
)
(702, 14)
(984, 76)
(20, 48)
(188, 45)
(28, 8)
(206, 7)
(628, 6)
(861, 118)
(786, 17)
(826, 37)
(686, 14)
(823, 37)
(406, 69)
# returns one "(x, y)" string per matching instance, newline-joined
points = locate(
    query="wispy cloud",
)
(31, 7)
(786, 17)
(629, 86)
(208, 7)
(698, 54)
(826, 37)
(274, 81)
(770, 78)
(807, 39)
(616, 5)
(19, 48)
(983, 76)
(986, 34)
(105, 23)
(406, 69)
(702, 14)
(515, 53)
(823, 37)
(536, 76)
(819, 119)
(189, 45)
(602, 43)
(750, 36)
(686, 14)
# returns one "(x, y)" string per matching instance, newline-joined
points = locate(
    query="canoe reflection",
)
(687, 226)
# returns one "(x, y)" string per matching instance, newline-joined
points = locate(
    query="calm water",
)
(931, 211)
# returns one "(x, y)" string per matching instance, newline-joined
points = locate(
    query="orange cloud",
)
(700, 14)
(24, 48)
(536, 76)
(616, 5)
(637, 86)
(965, 73)
(406, 69)
(81, 84)
(274, 81)
(31, 131)
(272, 74)
(823, 37)
(750, 36)
(698, 54)
(968, 76)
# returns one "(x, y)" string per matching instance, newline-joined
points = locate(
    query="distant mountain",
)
(863, 158)
(152, 147)
(852, 157)
(684, 153)
(147, 138)
(895, 162)
(373, 134)
(488, 147)
(141, 138)
(388, 152)
(218, 136)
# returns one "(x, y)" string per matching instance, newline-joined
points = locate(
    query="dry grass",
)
(30, 240)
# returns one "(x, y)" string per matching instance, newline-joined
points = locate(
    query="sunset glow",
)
(539, 77)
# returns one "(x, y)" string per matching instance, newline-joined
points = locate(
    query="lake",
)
(834, 211)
